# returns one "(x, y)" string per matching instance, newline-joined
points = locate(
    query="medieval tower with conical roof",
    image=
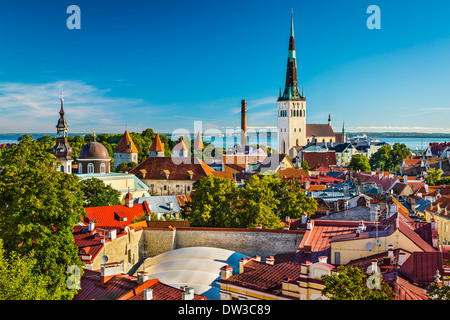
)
(291, 106)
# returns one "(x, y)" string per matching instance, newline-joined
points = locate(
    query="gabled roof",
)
(157, 145)
(126, 144)
(319, 130)
(265, 277)
(421, 266)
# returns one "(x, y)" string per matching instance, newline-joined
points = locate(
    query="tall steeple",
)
(62, 149)
(61, 126)
(291, 91)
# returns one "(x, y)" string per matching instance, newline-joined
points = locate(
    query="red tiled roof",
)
(318, 238)
(405, 290)
(319, 159)
(319, 130)
(265, 277)
(110, 216)
(124, 287)
(421, 266)
(178, 170)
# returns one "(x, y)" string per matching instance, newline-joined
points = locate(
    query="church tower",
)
(62, 150)
(291, 106)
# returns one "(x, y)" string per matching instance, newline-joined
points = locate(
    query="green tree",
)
(350, 283)
(305, 166)
(19, 279)
(433, 176)
(296, 202)
(399, 153)
(438, 291)
(359, 162)
(381, 159)
(39, 207)
(126, 165)
(97, 194)
(258, 203)
(212, 204)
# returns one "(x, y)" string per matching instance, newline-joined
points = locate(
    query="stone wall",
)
(246, 241)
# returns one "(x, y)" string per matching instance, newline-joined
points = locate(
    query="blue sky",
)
(166, 64)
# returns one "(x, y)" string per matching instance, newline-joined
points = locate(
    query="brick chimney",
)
(270, 260)
(243, 123)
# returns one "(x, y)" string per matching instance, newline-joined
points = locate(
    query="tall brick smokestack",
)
(243, 123)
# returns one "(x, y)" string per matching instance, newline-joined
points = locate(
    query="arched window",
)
(80, 168)
(300, 113)
(102, 168)
(90, 168)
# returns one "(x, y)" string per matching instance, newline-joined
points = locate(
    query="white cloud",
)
(34, 107)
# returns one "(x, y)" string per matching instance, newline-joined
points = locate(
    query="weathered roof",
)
(178, 168)
(265, 277)
(319, 159)
(124, 287)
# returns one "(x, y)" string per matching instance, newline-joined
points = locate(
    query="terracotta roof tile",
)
(157, 145)
(265, 277)
(319, 159)
(110, 216)
(126, 144)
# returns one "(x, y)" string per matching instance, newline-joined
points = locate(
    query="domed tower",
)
(62, 149)
(94, 158)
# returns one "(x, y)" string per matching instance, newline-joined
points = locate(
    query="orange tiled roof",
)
(124, 144)
(157, 144)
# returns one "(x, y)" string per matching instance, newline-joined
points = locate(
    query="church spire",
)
(291, 91)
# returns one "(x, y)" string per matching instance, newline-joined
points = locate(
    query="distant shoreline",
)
(350, 135)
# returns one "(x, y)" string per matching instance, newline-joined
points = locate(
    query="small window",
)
(90, 168)
(80, 168)
(102, 168)
(337, 258)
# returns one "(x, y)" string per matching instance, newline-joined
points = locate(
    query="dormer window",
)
(165, 174)
(189, 175)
